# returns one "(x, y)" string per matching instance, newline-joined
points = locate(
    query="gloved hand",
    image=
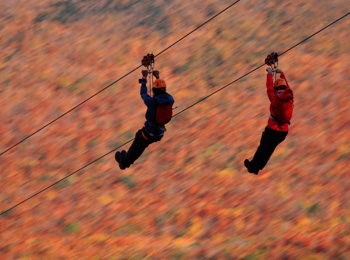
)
(269, 70)
(156, 74)
(144, 73)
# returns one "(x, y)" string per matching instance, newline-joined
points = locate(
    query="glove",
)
(269, 70)
(279, 71)
(156, 74)
(143, 80)
(144, 73)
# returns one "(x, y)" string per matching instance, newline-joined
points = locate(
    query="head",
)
(279, 86)
(159, 87)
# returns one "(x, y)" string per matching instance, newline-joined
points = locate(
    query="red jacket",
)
(279, 109)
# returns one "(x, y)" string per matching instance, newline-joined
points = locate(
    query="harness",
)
(144, 136)
(275, 119)
(146, 133)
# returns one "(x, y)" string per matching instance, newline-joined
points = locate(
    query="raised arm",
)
(269, 86)
(143, 92)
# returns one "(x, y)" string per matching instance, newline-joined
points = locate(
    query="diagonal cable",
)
(60, 180)
(111, 84)
(200, 100)
(284, 52)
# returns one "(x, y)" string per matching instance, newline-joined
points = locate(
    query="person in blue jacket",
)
(159, 112)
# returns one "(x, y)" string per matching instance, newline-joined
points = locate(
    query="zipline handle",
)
(148, 60)
(149, 63)
(272, 61)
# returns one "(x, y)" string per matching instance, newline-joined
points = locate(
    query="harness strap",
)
(275, 119)
(144, 136)
(145, 132)
(160, 127)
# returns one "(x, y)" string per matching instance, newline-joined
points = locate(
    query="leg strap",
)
(144, 136)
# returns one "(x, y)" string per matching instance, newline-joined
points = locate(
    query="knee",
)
(143, 138)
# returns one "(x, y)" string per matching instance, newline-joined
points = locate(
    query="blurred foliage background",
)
(188, 196)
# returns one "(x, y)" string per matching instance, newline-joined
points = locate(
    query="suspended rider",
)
(159, 112)
(281, 110)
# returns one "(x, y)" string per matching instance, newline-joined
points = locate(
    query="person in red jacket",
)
(281, 110)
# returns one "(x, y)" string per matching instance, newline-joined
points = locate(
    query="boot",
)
(250, 167)
(120, 158)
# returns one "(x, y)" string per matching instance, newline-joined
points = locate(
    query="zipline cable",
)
(111, 84)
(202, 99)
(284, 52)
(53, 184)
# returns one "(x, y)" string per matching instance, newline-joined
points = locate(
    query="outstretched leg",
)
(136, 149)
(268, 143)
(141, 142)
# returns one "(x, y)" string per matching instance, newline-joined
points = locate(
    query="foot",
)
(248, 165)
(119, 157)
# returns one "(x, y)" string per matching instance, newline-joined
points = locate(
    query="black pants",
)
(269, 141)
(142, 140)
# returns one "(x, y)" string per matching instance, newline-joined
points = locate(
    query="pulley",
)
(272, 60)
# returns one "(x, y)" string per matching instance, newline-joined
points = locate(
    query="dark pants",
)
(142, 140)
(269, 141)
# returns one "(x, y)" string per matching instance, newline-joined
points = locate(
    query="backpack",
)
(164, 113)
(286, 110)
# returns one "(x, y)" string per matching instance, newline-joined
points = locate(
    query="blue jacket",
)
(151, 103)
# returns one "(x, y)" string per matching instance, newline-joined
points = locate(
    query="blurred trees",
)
(188, 197)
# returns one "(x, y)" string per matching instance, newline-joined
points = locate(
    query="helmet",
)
(159, 83)
(279, 82)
